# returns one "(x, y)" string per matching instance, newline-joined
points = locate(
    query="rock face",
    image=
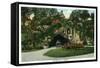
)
(76, 38)
(69, 40)
(59, 38)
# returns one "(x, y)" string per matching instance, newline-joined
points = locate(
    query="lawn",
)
(62, 52)
(30, 50)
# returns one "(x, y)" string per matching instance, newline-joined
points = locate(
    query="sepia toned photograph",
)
(49, 33)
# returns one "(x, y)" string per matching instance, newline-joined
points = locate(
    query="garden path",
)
(38, 56)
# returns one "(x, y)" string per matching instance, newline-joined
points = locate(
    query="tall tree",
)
(80, 19)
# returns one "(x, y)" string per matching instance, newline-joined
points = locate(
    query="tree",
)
(81, 23)
(42, 25)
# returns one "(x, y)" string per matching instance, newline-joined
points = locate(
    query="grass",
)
(61, 52)
(30, 50)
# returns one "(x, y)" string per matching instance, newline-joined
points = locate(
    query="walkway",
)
(38, 55)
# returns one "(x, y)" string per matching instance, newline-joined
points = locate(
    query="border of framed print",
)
(15, 33)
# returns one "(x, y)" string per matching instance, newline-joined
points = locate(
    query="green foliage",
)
(46, 20)
(61, 52)
(81, 23)
(43, 24)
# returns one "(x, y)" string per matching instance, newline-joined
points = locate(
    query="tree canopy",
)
(39, 29)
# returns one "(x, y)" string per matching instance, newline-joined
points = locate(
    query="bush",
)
(73, 45)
